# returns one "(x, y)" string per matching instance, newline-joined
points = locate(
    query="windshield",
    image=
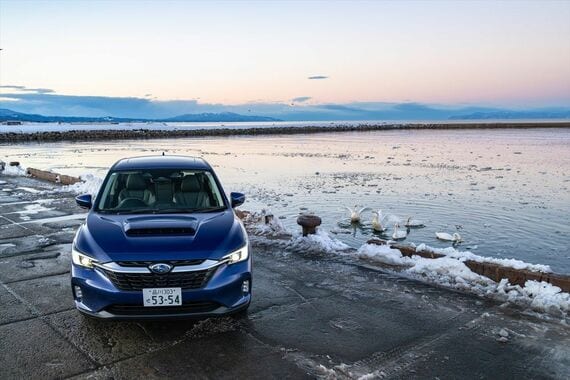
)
(160, 191)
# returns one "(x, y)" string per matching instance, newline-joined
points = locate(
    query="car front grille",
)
(139, 281)
(171, 262)
(186, 308)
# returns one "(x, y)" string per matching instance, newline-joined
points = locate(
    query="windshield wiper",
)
(162, 211)
(211, 209)
(188, 210)
(173, 210)
(131, 211)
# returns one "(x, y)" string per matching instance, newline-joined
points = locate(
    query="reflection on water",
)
(505, 191)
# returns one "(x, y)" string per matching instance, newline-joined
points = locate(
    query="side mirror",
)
(237, 199)
(84, 201)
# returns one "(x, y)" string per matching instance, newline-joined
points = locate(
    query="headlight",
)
(81, 259)
(237, 255)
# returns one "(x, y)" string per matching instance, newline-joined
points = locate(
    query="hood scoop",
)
(160, 226)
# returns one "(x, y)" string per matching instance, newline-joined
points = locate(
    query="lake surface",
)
(506, 191)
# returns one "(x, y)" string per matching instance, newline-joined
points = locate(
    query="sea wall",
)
(123, 134)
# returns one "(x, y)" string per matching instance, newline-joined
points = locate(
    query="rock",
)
(376, 241)
(241, 214)
(309, 223)
(503, 339)
(2, 165)
(14, 163)
(504, 333)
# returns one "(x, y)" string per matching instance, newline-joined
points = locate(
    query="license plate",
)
(162, 297)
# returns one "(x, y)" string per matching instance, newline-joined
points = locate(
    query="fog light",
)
(245, 287)
(78, 293)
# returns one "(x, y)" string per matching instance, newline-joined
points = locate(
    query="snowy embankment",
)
(448, 271)
(467, 255)
(89, 183)
(111, 131)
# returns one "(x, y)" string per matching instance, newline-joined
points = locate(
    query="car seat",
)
(136, 187)
(191, 194)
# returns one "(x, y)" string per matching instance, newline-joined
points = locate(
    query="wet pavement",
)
(311, 317)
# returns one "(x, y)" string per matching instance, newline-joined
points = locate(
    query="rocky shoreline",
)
(124, 134)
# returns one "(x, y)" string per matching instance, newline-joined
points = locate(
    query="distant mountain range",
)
(9, 115)
(404, 111)
(501, 115)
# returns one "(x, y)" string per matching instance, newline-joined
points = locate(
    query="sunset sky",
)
(496, 54)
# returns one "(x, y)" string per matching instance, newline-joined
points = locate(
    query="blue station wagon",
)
(161, 240)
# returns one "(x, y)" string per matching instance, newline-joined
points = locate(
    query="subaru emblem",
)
(160, 268)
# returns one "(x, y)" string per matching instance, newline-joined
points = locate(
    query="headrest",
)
(135, 182)
(190, 183)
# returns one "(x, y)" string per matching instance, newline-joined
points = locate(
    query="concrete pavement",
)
(313, 316)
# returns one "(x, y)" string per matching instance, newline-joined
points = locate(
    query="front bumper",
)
(222, 295)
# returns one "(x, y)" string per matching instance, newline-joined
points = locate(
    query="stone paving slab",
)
(25, 217)
(12, 308)
(31, 349)
(12, 231)
(47, 294)
(108, 341)
(344, 330)
(231, 356)
(24, 244)
(4, 221)
(481, 355)
(35, 265)
(7, 197)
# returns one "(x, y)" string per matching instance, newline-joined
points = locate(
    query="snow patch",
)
(255, 222)
(319, 241)
(32, 209)
(540, 296)
(467, 255)
(378, 374)
(273, 227)
(14, 171)
(450, 271)
(90, 184)
(28, 189)
(383, 254)
(4, 247)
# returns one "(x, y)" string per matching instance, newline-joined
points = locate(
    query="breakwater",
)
(124, 134)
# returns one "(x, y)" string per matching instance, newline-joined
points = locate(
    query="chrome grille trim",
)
(114, 267)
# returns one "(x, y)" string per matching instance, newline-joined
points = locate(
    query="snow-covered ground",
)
(13, 170)
(450, 271)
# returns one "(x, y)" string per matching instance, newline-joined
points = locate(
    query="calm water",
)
(506, 190)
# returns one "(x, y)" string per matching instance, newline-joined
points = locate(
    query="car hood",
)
(160, 237)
